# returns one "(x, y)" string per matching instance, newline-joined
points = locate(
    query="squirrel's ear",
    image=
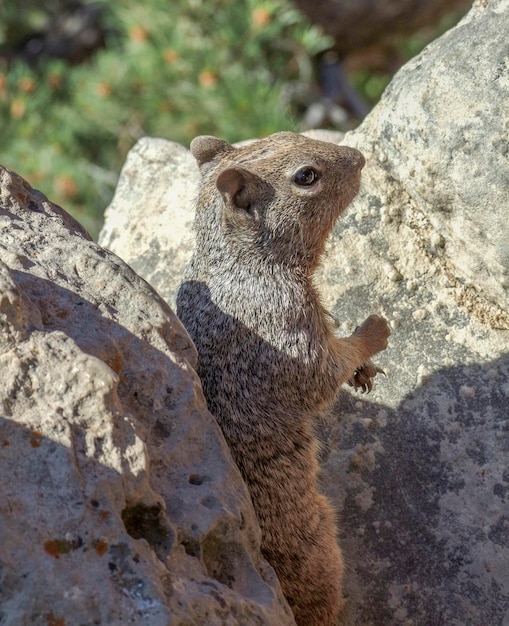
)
(205, 147)
(238, 185)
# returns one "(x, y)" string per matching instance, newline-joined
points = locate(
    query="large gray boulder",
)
(418, 470)
(119, 502)
(150, 218)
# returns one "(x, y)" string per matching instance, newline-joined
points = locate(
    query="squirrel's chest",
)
(268, 321)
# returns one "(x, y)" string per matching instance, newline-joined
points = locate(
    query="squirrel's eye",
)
(305, 177)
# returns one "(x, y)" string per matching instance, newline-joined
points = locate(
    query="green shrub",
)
(169, 69)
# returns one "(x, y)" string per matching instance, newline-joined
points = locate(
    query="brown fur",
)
(268, 357)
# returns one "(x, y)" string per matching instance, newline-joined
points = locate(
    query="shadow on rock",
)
(423, 500)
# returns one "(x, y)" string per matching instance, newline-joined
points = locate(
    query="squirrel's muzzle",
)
(352, 158)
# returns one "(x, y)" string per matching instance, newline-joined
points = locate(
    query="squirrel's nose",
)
(351, 158)
(356, 158)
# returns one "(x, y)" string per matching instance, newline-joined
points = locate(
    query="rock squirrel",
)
(269, 360)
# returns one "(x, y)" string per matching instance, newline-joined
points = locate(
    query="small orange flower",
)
(207, 79)
(18, 108)
(54, 81)
(27, 84)
(66, 186)
(170, 56)
(138, 34)
(261, 17)
(104, 89)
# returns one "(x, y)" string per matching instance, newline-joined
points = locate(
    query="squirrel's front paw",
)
(363, 376)
(376, 330)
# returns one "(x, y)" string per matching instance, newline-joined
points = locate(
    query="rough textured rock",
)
(441, 132)
(424, 485)
(418, 470)
(119, 502)
(157, 174)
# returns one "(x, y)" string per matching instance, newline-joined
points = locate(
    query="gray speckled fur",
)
(269, 361)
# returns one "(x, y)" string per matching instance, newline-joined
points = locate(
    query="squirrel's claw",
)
(363, 375)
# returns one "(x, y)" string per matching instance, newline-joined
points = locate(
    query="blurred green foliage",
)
(169, 69)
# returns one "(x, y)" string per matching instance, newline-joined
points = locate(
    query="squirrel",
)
(268, 358)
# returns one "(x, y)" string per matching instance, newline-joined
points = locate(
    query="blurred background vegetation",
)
(80, 82)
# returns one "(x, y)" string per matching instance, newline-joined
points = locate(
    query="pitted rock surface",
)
(119, 502)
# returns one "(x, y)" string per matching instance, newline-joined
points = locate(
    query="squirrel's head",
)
(278, 197)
